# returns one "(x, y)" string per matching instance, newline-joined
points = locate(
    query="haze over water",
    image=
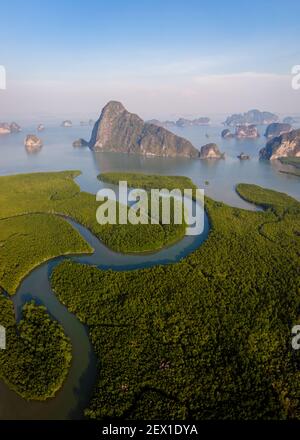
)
(217, 177)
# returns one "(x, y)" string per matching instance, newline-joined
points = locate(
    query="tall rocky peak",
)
(118, 130)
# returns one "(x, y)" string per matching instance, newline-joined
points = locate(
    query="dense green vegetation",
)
(168, 233)
(35, 362)
(56, 193)
(208, 337)
(38, 354)
(28, 240)
(148, 181)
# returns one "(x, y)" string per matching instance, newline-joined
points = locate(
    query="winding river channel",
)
(74, 396)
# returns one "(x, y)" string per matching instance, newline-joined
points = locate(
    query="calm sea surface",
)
(222, 175)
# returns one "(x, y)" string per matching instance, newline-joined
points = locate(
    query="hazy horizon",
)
(161, 60)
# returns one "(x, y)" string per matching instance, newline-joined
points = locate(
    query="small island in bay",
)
(241, 132)
(227, 134)
(33, 143)
(276, 129)
(290, 120)
(80, 143)
(67, 123)
(40, 127)
(211, 151)
(246, 131)
(15, 128)
(181, 122)
(6, 128)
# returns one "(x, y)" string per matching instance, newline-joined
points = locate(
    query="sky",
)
(160, 58)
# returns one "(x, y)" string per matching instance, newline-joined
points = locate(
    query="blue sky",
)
(145, 52)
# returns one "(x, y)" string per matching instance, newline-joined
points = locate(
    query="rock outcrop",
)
(251, 117)
(226, 134)
(67, 123)
(80, 143)
(289, 120)
(33, 143)
(117, 130)
(211, 151)
(4, 128)
(246, 131)
(182, 122)
(15, 128)
(286, 145)
(277, 129)
(241, 132)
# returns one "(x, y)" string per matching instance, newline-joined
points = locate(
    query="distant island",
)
(181, 122)
(67, 123)
(80, 143)
(118, 130)
(6, 128)
(285, 145)
(241, 132)
(90, 122)
(290, 120)
(251, 117)
(33, 143)
(277, 129)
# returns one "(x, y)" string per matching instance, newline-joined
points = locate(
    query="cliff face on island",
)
(286, 145)
(118, 130)
(277, 129)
